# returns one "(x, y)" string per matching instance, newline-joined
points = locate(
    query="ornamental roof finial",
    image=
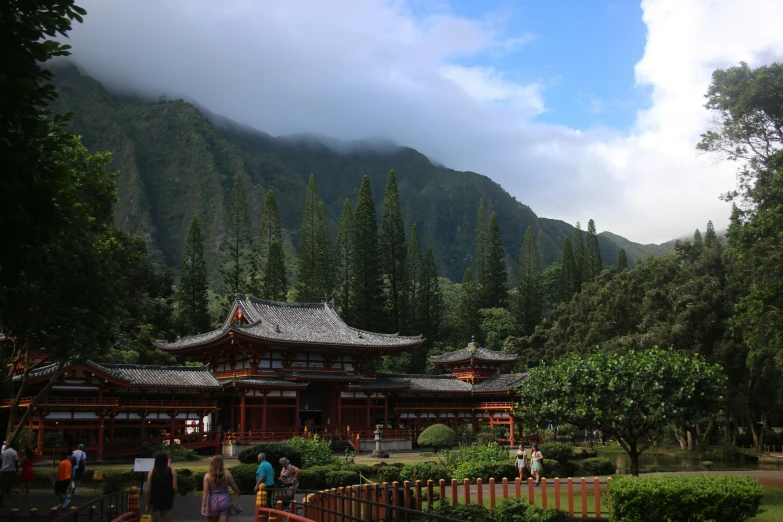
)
(472, 344)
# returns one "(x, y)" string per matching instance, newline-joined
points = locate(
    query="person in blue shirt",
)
(266, 474)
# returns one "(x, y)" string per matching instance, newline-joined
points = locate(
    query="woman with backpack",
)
(80, 461)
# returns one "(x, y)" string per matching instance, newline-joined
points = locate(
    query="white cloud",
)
(395, 69)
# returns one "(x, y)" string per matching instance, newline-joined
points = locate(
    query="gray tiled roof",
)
(264, 382)
(49, 369)
(379, 382)
(502, 382)
(475, 353)
(430, 383)
(334, 376)
(164, 376)
(316, 323)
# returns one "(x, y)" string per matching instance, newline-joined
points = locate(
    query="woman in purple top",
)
(215, 500)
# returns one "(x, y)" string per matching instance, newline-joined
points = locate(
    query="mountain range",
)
(176, 161)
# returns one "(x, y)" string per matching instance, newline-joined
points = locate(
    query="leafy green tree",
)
(412, 297)
(268, 232)
(627, 396)
(393, 251)
(482, 244)
(494, 290)
(622, 260)
(594, 265)
(274, 281)
(530, 290)
(366, 262)
(235, 244)
(313, 283)
(581, 273)
(496, 325)
(569, 276)
(343, 267)
(469, 304)
(192, 296)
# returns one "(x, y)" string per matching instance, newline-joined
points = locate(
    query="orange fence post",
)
(340, 505)
(366, 496)
(466, 483)
(406, 494)
(557, 493)
(609, 495)
(518, 484)
(491, 493)
(384, 501)
(570, 497)
(33, 515)
(441, 489)
(597, 486)
(531, 497)
(479, 492)
(14, 516)
(454, 492)
(53, 513)
(375, 509)
(584, 497)
(505, 488)
(543, 492)
(395, 497)
(418, 495)
(430, 493)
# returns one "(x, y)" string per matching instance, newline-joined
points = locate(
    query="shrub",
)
(339, 479)
(472, 512)
(536, 514)
(388, 474)
(567, 431)
(521, 511)
(175, 452)
(245, 477)
(315, 477)
(424, 471)
(315, 452)
(482, 439)
(114, 481)
(599, 466)
(185, 484)
(199, 480)
(499, 470)
(559, 451)
(274, 451)
(707, 464)
(584, 453)
(726, 453)
(438, 436)
(362, 469)
(672, 498)
(551, 468)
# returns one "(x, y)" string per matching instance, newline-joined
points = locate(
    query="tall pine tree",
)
(622, 260)
(468, 307)
(494, 289)
(593, 261)
(274, 280)
(191, 296)
(429, 309)
(530, 288)
(580, 259)
(343, 269)
(393, 252)
(413, 281)
(268, 232)
(710, 237)
(366, 275)
(482, 244)
(568, 274)
(235, 244)
(313, 275)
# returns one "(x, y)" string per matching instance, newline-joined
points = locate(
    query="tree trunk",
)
(690, 441)
(634, 454)
(680, 434)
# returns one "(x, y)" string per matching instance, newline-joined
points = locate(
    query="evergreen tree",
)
(192, 292)
(530, 289)
(594, 265)
(494, 290)
(482, 245)
(710, 237)
(274, 280)
(412, 298)
(312, 284)
(580, 258)
(698, 242)
(429, 308)
(366, 274)
(622, 260)
(568, 273)
(235, 243)
(268, 232)
(393, 250)
(343, 268)
(469, 304)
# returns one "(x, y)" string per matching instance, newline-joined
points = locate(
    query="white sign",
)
(143, 465)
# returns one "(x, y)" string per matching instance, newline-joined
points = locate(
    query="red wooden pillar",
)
(242, 411)
(111, 429)
(385, 411)
(339, 407)
(101, 427)
(511, 430)
(369, 423)
(233, 426)
(263, 413)
(296, 410)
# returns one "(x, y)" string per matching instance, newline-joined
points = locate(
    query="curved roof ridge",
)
(286, 303)
(133, 366)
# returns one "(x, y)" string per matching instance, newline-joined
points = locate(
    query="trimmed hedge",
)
(599, 466)
(482, 439)
(315, 477)
(425, 471)
(245, 477)
(274, 451)
(584, 453)
(672, 498)
(199, 478)
(339, 479)
(559, 451)
(388, 474)
(185, 484)
(114, 481)
(438, 436)
(507, 511)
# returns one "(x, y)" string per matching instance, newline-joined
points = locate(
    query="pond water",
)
(690, 462)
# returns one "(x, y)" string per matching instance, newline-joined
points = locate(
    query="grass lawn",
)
(772, 503)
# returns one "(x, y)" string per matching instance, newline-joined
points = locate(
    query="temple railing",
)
(496, 405)
(168, 404)
(24, 402)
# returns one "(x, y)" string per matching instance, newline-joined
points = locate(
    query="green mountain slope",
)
(174, 162)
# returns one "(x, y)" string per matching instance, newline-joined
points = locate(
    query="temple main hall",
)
(272, 371)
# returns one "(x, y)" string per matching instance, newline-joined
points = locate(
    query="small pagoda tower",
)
(473, 364)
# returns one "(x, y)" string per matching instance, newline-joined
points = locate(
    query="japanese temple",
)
(273, 370)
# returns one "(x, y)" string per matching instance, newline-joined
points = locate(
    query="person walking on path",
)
(26, 477)
(265, 474)
(538, 464)
(63, 481)
(161, 488)
(80, 458)
(10, 461)
(521, 462)
(215, 500)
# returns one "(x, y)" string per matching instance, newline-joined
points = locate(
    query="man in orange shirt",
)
(64, 471)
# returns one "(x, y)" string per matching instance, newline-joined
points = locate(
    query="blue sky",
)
(582, 52)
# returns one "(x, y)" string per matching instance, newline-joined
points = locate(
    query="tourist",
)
(602, 435)
(521, 462)
(266, 474)
(215, 500)
(161, 488)
(80, 462)
(538, 464)
(63, 481)
(26, 477)
(10, 463)
(289, 475)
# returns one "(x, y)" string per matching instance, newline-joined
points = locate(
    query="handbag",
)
(235, 508)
